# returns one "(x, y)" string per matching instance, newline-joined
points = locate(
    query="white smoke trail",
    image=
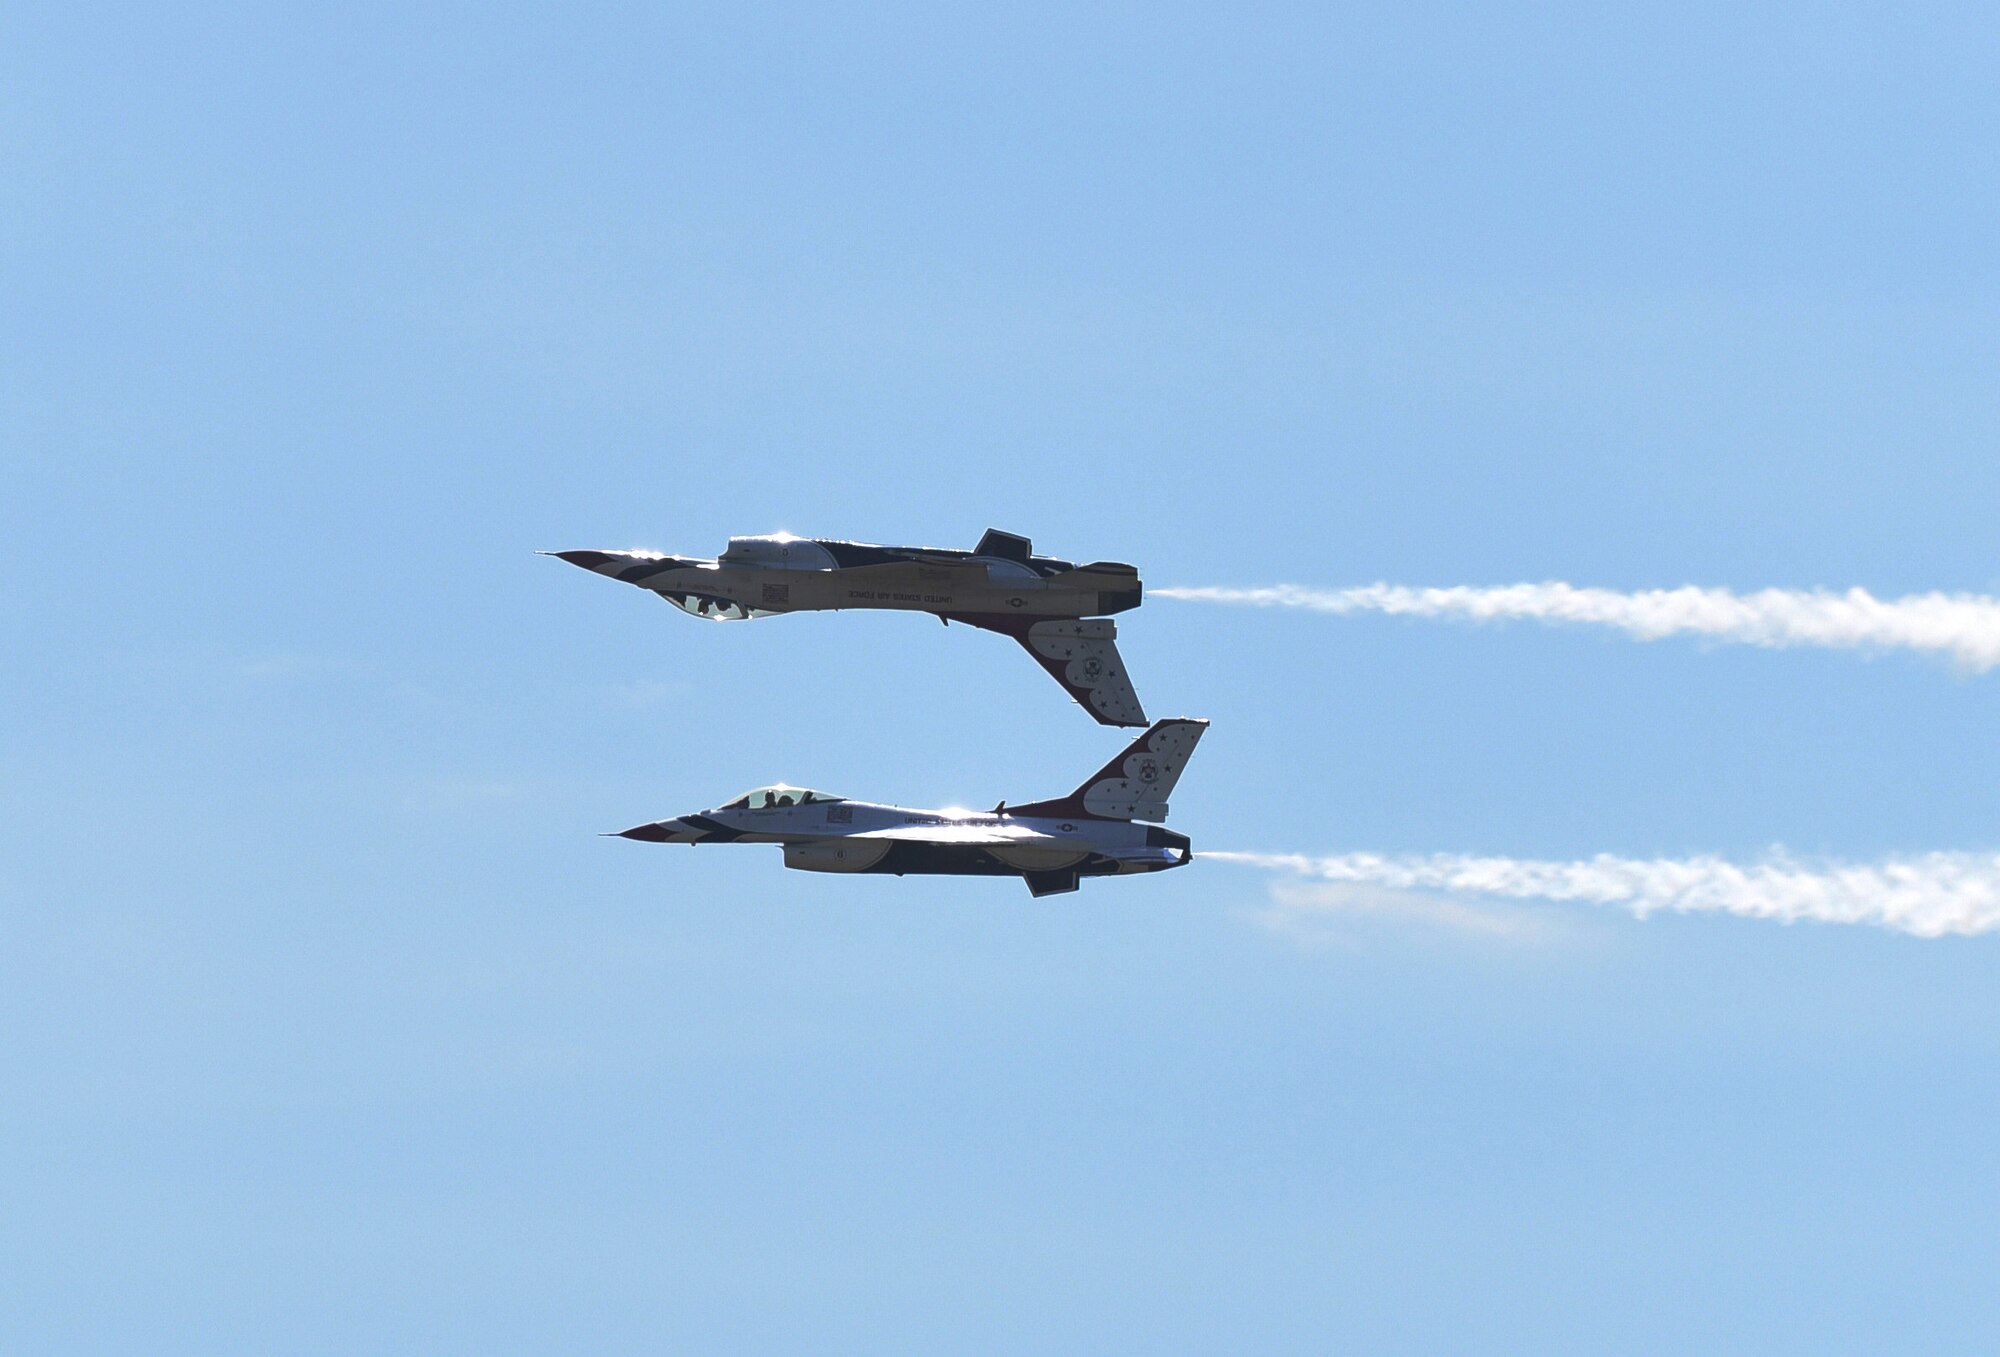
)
(1965, 627)
(1929, 895)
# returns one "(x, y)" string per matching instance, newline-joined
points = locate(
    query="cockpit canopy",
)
(777, 796)
(714, 609)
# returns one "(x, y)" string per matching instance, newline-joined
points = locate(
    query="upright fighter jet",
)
(1052, 845)
(1053, 608)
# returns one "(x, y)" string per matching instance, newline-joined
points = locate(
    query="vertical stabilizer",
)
(1083, 657)
(1136, 784)
(1005, 546)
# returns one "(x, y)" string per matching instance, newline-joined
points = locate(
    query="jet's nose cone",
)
(668, 831)
(589, 560)
(662, 832)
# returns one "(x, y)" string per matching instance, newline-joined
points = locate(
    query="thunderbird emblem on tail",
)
(1055, 609)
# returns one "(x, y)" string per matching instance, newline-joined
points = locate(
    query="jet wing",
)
(971, 836)
(917, 570)
(1041, 858)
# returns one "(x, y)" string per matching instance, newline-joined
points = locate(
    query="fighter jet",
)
(1053, 608)
(1052, 845)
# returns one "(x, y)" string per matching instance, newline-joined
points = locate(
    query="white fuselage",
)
(860, 836)
(780, 575)
(982, 589)
(1059, 612)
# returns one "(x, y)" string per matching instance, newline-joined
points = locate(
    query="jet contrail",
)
(1965, 627)
(1929, 895)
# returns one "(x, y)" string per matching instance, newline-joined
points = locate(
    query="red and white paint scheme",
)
(1052, 845)
(1055, 609)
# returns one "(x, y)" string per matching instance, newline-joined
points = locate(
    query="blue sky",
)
(328, 1025)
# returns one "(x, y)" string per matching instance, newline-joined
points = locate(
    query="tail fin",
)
(1005, 546)
(1083, 657)
(1135, 785)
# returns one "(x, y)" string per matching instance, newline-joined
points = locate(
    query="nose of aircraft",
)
(589, 560)
(633, 567)
(661, 831)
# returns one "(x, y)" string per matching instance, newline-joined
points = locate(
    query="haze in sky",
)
(329, 1024)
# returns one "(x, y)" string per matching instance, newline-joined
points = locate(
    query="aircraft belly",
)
(907, 587)
(790, 591)
(917, 596)
(836, 855)
(916, 858)
(1038, 859)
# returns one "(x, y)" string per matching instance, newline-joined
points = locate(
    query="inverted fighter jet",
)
(1052, 845)
(1053, 608)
